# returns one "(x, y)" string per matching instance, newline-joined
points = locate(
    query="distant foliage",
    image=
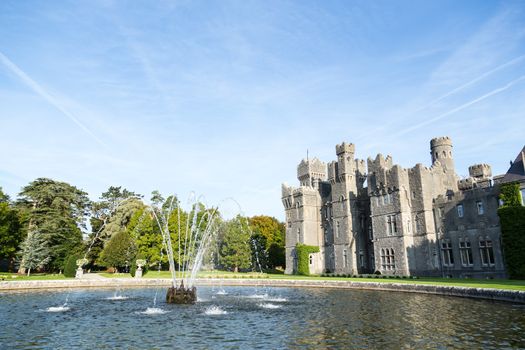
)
(303, 252)
(11, 232)
(510, 194)
(235, 252)
(268, 240)
(512, 221)
(120, 251)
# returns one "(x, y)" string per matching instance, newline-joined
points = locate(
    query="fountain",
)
(191, 249)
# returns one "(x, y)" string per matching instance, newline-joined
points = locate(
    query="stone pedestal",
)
(181, 295)
(79, 273)
(138, 273)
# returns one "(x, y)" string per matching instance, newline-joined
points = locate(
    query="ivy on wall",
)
(303, 252)
(512, 221)
(510, 194)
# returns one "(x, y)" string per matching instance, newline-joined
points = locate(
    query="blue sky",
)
(224, 97)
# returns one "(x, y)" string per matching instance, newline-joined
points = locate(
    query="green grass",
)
(476, 283)
(5, 276)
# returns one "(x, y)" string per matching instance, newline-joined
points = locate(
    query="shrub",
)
(303, 252)
(377, 272)
(512, 220)
(70, 266)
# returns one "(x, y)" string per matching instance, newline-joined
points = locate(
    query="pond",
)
(255, 318)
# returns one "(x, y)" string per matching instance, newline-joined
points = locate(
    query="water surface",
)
(250, 318)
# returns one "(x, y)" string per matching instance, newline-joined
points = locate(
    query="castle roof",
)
(516, 171)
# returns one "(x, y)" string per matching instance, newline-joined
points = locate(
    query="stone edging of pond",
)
(513, 296)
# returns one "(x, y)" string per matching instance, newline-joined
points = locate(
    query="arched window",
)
(444, 154)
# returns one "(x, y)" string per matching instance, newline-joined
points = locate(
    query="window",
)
(523, 196)
(460, 210)
(337, 229)
(361, 258)
(486, 252)
(479, 205)
(388, 259)
(441, 212)
(446, 252)
(345, 258)
(391, 225)
(298, 235)
(289, 224)
(465, 253)
(385, 199)
(311, 259)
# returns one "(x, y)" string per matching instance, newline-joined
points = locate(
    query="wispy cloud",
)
(38, 89)
(459, 108)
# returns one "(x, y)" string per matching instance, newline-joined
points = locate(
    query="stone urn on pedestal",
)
(80, 271)
(140, 263)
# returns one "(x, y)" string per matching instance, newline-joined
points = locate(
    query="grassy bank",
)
(473, 283)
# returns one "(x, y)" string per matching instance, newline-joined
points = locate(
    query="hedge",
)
(512, 221)
(303, 252)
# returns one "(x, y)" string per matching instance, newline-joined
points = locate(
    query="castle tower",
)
(441, 150)
(345, 158)
(310, 172)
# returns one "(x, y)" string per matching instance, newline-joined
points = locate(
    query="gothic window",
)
(385, 199)
(388, 259)
(486, 252)
(460, 210)
(289, 224)
(345, 258)
(361, 258)
(391, 224)
(413, 194)
(465, 253)
(311, 259)
(444, 154)
(298, 235)
(337, 224)
(383, 259)
(446, 252)
(479, 206)
(408, 225)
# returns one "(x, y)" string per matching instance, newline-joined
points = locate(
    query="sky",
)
(224, 98)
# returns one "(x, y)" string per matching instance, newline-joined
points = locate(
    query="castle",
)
(378, 216)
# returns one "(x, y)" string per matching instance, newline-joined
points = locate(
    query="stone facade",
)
(422, 221)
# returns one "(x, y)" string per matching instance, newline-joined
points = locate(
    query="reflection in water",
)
(284, 318)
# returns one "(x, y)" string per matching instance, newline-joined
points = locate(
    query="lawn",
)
(6, 276)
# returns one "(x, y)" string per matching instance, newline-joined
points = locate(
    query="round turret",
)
(441, 150)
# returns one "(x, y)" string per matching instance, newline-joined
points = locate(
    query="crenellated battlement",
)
(345, 148)
(481, 171)
(440, 141)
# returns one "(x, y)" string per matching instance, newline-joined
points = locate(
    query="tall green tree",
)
(58, 212)
(34, 252)
(235, 251)
(11, 232)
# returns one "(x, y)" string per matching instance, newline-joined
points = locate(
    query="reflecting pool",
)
(255, 318)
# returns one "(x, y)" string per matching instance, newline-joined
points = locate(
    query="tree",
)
(57, 211)
(34, 252)
(268, 235)
(120, 251)
(10, 230)
(235, 252)
(120, 217)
